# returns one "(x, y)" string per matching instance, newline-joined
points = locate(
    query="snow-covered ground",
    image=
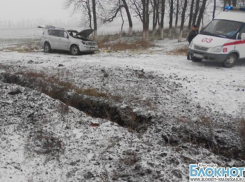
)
(207, 83)
(176, 92)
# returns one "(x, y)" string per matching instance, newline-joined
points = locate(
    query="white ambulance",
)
(223, 39)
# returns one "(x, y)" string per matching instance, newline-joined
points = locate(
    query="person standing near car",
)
(193, 33)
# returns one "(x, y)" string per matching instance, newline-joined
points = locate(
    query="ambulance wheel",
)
(230, 60)
(196, 59)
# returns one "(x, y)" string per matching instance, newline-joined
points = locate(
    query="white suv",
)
(69, 40)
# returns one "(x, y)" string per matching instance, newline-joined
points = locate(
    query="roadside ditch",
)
(221, 141)
(90, 101)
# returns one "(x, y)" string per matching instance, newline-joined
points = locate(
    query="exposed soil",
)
(219, 140)
(99, 106)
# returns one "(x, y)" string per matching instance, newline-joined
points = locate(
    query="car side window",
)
(241, 31)
(50, 32)
(56, 33)
(53, 32)
(63, 34)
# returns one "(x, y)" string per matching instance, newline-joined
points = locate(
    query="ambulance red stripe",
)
(235, 43)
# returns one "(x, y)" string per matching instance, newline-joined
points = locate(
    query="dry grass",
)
(64, 85)
(34, 75)
(91, 92)
(116, 98)
(179, 52)
(77, 97)
(120, 46)
(58, 87)
(23, 48)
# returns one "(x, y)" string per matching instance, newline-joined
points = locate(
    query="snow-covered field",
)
(42, 142)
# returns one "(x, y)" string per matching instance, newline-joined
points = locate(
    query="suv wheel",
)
(75, 50)
(230, 60)
(47, 48)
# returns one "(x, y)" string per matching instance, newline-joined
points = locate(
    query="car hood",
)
(210, 41)
(86, 33)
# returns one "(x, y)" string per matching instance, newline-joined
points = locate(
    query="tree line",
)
(179, 13)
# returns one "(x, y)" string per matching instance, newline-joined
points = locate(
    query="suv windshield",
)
(222, 28)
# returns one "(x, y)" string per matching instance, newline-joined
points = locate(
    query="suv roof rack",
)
(49, 27)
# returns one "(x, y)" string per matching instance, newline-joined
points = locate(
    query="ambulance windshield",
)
(222, 28)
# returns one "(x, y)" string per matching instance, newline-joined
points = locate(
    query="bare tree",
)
(162, 18)
(171, 4)
(177, 13)
(202, 9)
(155, 12)
(88, 8)
(137, 8)
(121, 14)
(145, 19)
(196, 12)
(94, 18)
(112, 13)
(85, 5)
(116, 8)
(191, 14)
(182, 20)
(141, 8)
(107, 11)
(130, 32)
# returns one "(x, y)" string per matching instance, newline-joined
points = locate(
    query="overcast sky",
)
(15, 10)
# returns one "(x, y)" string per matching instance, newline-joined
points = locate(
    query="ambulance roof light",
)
(239, 8)
(229, 7)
